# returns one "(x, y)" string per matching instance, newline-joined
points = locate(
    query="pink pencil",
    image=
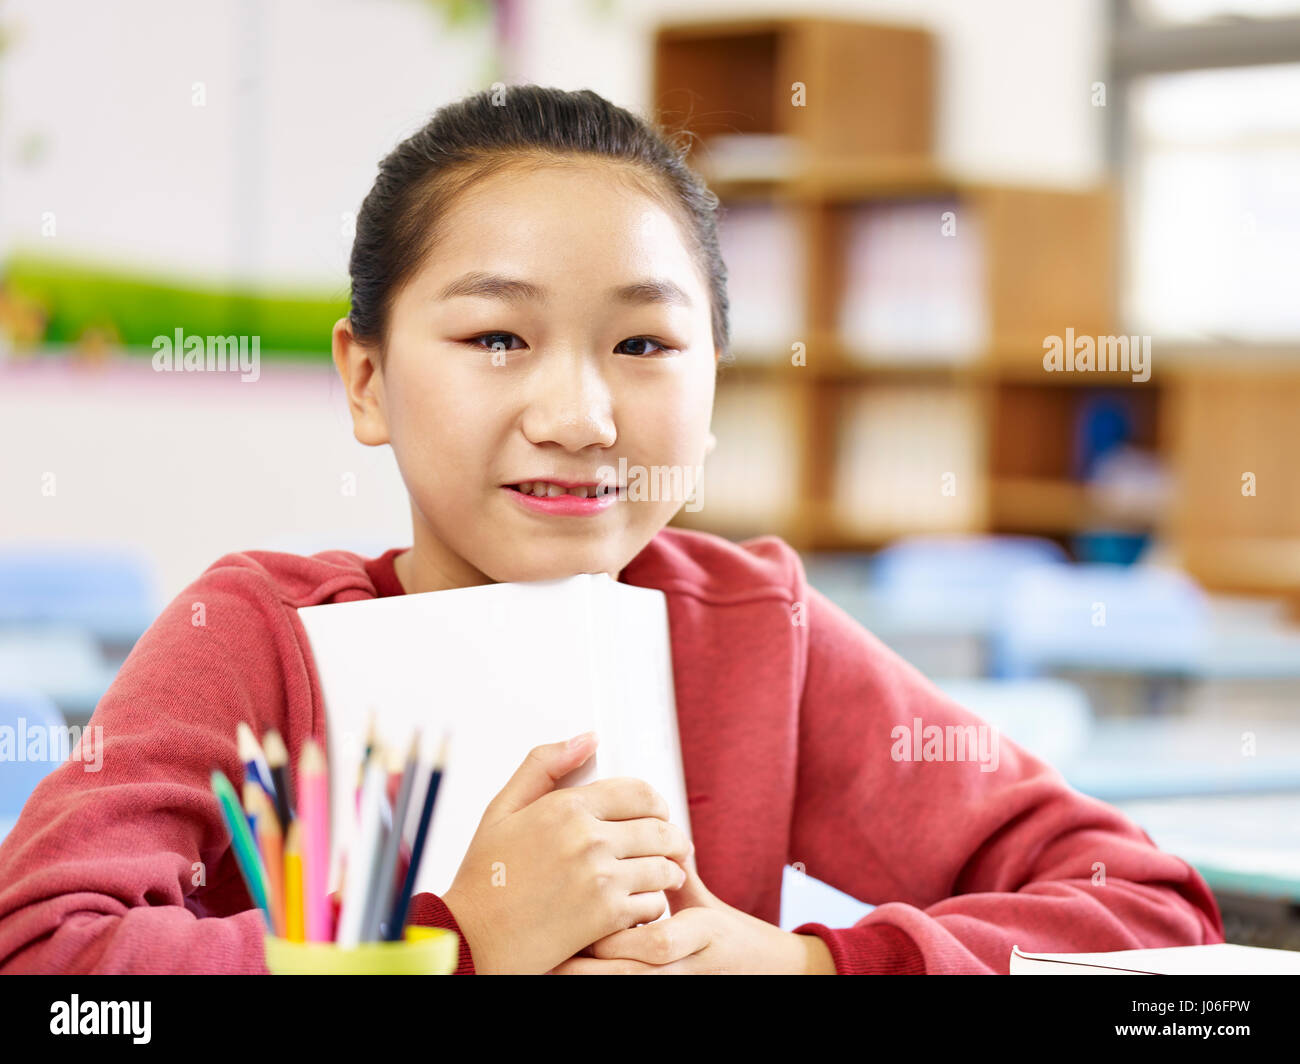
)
(313, 811)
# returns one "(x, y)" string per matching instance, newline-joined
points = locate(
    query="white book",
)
(503, 667)
(1218, 959)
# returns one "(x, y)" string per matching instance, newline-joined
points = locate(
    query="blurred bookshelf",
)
(890, 320)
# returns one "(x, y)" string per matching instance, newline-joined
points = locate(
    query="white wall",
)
(190, 466)
(302, 99)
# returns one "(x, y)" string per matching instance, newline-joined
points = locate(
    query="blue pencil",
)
(255, 766)
(397, 921)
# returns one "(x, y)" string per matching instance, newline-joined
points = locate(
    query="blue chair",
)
(109, 592)
(63, 664)
(953, 583)
(1102, 618)
(23, 712)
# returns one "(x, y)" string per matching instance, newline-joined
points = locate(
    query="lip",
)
(565, 505)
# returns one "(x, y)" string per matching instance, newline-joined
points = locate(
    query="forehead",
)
(564, 216)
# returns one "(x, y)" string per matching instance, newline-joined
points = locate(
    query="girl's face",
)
(559, 332)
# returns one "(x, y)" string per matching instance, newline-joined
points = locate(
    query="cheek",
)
(677, 423)
(439, 429)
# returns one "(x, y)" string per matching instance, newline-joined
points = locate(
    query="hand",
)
(704, 936)
(549, 870)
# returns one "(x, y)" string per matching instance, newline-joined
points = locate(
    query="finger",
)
(538, 774)
(659, 943)
(648, 837)
(692, 892)
(637, 875)
(645, 907)
(622, 798)
(619, 966)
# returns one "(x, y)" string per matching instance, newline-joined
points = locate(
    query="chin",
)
(554, 562)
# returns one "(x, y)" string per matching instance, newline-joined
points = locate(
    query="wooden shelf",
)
(1003, 361)
(1040, 504)
(831, 181)
(1048, 258)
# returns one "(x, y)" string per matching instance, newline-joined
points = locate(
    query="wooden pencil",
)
(397, 921)
(381, 907)
(313, 812)
(242, 843)
(250, 753)
(271, 847)
(277, 759)
(294, 920)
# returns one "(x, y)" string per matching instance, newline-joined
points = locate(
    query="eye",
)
(490, 341)
(641, 342)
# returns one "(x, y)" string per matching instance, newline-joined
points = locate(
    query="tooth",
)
(526, 487)
(580, 492)
(553, 490)
(539, 489)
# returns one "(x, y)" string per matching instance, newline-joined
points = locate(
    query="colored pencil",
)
(294, 925)
(277, 759)
(270, 844)
(250, 753)
(397, 921)
(313, 812)
(361, 859)
(255, 810)
(371, 913)
(241, 841)
(382, 903)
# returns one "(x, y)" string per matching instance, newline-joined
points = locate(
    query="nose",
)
(570, 403)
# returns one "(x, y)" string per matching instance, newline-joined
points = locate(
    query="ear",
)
(362, 379)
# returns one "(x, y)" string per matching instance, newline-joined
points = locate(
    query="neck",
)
(430, 566)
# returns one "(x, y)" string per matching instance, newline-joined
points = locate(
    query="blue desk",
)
(1248, 843)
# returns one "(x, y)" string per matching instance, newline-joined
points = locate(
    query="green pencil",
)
(246, 855)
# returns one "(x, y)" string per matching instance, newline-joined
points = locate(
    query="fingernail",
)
(578, 740)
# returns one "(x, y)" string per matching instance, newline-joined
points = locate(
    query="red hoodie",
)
(804, 739)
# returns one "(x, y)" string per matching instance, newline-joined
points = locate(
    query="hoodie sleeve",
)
(966, 843)
(120, 861)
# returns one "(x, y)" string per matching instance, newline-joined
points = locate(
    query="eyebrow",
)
(513, 290)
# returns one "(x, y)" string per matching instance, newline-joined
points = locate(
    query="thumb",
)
(540, 771)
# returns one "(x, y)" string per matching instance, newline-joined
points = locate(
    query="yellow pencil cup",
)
(425, 951)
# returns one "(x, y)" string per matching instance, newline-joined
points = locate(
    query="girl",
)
(537, 295)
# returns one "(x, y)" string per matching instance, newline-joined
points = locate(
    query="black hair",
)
(504, 126)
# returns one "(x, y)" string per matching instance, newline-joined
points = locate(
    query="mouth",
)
(554, 489)
(558, 498)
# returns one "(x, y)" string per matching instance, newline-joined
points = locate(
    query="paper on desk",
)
(505, 667)
(1218, 959)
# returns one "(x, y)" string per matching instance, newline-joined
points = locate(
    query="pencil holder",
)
(425, 951)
